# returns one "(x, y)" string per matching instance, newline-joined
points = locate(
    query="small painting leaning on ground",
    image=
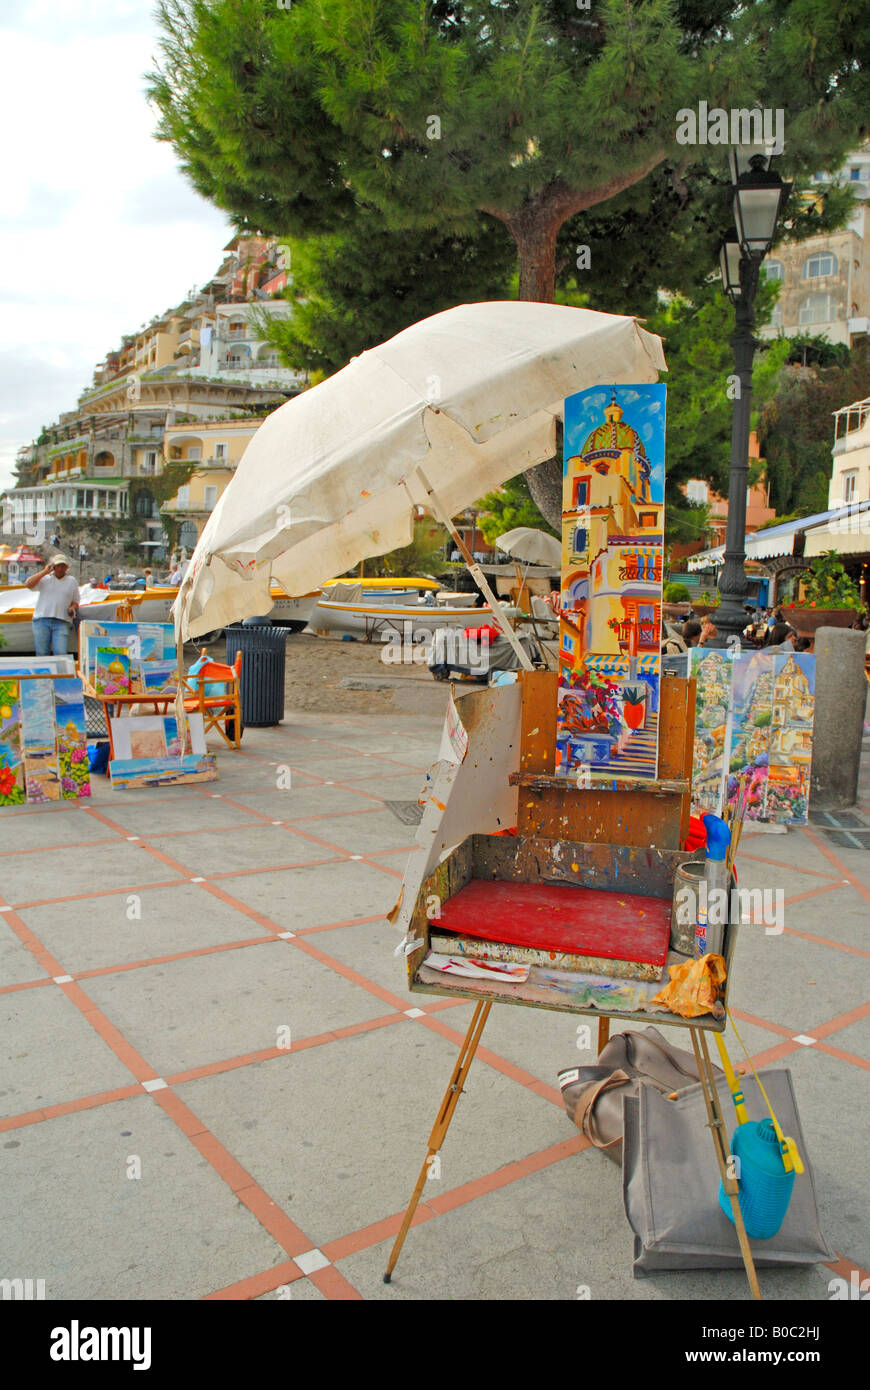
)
(612, 548)
(51, 738)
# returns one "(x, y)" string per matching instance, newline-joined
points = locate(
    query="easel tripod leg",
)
(717, 1129)
(442, 1122)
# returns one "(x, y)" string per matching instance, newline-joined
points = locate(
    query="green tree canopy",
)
(359, 286)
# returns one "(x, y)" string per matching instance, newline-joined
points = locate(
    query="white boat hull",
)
(379, 622)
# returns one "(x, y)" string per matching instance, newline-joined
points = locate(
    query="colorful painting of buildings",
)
(39, 741)
(72, 739)
(791, 743)
(612, 528)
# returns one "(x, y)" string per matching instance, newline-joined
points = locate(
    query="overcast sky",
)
(99, 230)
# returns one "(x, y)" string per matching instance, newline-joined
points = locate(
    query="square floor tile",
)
(50, 1053)
(72, 1216)
(187, 1013)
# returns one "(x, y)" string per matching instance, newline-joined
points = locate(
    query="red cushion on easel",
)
(560, 917)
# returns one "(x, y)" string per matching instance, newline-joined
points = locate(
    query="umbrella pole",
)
(476, 573)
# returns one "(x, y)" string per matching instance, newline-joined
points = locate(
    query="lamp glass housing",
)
(729, 265)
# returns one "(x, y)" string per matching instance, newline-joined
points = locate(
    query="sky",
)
(99, 230)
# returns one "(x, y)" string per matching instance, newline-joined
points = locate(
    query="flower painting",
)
(11, 762)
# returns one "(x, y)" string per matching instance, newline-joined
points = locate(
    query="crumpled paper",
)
(694, 988)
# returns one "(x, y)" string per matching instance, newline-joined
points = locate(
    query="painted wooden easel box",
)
(624, 841)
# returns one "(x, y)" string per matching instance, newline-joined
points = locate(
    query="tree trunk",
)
(535, 229)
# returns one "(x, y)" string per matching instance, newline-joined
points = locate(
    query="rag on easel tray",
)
(611, 602)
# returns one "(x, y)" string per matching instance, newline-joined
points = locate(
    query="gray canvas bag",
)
(670, 1182)
(593, 1096)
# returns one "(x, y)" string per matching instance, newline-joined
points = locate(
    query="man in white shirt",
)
(56, 606)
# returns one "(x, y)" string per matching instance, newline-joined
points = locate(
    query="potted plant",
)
(634, 705)
(831, 598)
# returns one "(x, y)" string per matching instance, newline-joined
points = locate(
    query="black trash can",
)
(262, 648)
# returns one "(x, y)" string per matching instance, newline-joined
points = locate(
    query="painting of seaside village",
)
(43, 741)
(754, 725)
(610, 628)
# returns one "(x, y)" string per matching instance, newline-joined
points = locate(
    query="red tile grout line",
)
(811, 893)
(270, 1216)
(824, 941)
(780, 864)
(102, 893)
(48, 849)
(843, 1056)
(120, 966)
(838, 863)
(355, 1241)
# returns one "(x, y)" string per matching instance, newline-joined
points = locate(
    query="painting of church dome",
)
(612, 563)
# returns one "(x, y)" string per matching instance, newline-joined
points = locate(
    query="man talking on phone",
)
(56, 606)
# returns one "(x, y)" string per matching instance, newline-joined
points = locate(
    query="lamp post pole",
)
(730, 615)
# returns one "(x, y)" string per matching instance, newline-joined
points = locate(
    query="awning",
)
(848, 532)
(707, 559)
(774, 541)
(612, 665)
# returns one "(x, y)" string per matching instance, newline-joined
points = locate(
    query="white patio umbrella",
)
(531, 546)
(434, 418)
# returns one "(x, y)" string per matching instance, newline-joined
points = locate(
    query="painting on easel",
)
(612, 551)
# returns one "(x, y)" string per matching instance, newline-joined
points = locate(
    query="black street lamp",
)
(757, 196)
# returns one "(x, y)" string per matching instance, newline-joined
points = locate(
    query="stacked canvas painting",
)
(129, 658)
(151, 752)
(612, 546)
(754, 722)
(43, 738)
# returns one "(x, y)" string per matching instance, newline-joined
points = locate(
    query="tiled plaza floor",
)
(216, 1085)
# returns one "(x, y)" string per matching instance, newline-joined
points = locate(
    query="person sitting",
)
(780, 635)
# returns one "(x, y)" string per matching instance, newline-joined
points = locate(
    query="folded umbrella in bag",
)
(593, 1096)
(670, 1183)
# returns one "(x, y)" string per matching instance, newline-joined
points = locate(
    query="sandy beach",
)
(323, 673)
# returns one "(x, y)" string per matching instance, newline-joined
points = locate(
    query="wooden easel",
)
(631, 813)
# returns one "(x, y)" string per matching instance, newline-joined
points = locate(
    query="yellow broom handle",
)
(733, 1083)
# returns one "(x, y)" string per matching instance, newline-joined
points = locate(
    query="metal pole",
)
(730, 617)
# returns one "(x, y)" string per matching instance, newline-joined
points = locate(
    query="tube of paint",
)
(713, 900)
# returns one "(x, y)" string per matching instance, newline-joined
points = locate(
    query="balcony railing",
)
(636, 570)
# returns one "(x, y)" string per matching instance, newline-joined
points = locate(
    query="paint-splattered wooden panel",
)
(622, 817)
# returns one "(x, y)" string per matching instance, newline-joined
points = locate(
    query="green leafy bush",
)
(676, 593)
(828, 585)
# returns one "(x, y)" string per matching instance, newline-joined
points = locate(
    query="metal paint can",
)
(684, 916)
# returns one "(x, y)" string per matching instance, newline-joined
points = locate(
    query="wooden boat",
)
(16, 615)
(377, 621)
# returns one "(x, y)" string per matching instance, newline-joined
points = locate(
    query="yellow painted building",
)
(215, 447)
(611, 547)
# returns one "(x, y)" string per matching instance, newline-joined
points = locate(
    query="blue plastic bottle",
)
(765, 1186)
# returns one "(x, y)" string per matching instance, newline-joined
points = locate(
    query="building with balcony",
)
(850, 475)
(826, 279)
(215, 448)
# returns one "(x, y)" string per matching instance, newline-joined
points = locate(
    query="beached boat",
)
(16, 615)
(376, 622)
